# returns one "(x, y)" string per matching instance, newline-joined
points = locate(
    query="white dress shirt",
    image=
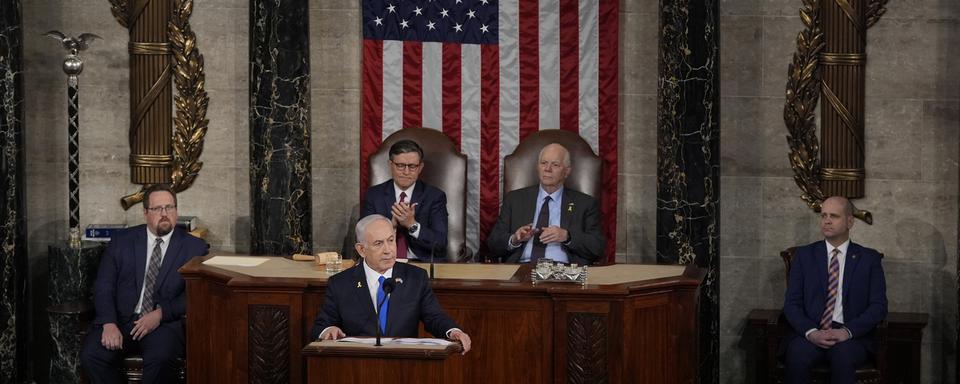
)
(838, 305)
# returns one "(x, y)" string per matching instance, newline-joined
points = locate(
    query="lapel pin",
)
(359, 285)
(570, 207)
(398, 280)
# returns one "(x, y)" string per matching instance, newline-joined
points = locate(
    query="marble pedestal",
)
(72, 273)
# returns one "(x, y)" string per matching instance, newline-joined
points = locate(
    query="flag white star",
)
(484, 28)
(430, 26)
(459, 1)
(418, 11)
(471, 14)
(378, 21)
(484, 2)
(404, 24)
(444, 13)
(458, 27)
(391, 8)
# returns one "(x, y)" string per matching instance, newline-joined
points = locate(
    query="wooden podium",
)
(346, 362)
(630, 323)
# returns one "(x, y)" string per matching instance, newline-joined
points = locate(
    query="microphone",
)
(388, 285)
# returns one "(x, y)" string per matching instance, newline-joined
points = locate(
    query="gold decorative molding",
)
(191, 99)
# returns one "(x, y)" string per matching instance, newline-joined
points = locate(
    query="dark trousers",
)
(159, 348)
(843, 359)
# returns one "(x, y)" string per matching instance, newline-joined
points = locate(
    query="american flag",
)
(488, 73)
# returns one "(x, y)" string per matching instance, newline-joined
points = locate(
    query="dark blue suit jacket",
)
(120, 277)
(431, 213)
(348, 305)
(864, 291)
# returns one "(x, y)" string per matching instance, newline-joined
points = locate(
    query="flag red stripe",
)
(489, 137)
(451, 97)
(412, 84)
(569, 66)
(607, 111)
(372, 112)
(529, 57)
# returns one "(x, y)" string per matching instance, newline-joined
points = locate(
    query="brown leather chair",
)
(520, 167)
(771, 327)
(445, 168)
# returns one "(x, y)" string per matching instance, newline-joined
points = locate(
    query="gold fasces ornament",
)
(191, 100)
(803, 91)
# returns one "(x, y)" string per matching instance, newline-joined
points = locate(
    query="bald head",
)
(553, 167)
(836, 219)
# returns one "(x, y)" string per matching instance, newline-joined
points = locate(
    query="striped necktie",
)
(150, 281)
(832, 287)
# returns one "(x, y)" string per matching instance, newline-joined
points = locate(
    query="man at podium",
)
(401, 291)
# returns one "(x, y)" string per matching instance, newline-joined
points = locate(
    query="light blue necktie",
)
(382, 311)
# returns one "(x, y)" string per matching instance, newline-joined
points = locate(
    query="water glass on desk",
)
(332, 262)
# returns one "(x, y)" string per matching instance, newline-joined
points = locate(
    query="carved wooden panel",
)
(268, 344)
(587, 348)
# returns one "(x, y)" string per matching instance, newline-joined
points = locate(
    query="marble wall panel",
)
(280, 130)
(340, 193)
(335, 49)
(223, 38)
(894, 138)
(779, 44)
(741, 66)
(638, 53)
(688, 157)
(638, 153)
(336, 129)
(740, 237)
(941, 133)
(14, 306)
(639, 209)
(754, 141)
(924, 63)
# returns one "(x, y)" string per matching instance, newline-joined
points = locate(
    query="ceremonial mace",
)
(72, 66)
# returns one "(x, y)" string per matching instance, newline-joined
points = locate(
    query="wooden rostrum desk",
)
(630, 324)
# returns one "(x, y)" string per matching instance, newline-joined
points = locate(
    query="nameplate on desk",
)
(236, 261)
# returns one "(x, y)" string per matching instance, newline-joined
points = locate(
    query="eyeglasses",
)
(402, 166)
(163, 209)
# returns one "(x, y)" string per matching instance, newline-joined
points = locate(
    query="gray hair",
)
(566, 153)
(361, 228)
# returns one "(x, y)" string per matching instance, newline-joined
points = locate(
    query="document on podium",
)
(391, 340)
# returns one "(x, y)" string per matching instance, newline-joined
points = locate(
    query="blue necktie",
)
(382, 311)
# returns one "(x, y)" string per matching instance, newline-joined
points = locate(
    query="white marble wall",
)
(912, 120)
(912, 144)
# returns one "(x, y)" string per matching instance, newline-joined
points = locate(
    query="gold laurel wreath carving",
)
(191, 99)
(802, 96)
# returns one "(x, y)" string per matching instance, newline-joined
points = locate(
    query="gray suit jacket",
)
(579, 215)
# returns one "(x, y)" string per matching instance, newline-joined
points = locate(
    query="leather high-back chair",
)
(445, 168)
(520, 167)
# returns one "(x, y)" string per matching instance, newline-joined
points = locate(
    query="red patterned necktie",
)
(832, 287)
(402, 235)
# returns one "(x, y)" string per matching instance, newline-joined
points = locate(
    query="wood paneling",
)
(642, 331)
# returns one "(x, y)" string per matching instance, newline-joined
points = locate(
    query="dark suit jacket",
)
(579, 215)
(348, 305)
(120, 277)
(864, 291)
(431, 213)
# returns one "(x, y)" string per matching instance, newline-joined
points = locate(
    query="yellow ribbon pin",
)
(359, 285)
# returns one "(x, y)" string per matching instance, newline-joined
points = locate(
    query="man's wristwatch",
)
(413, 228)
